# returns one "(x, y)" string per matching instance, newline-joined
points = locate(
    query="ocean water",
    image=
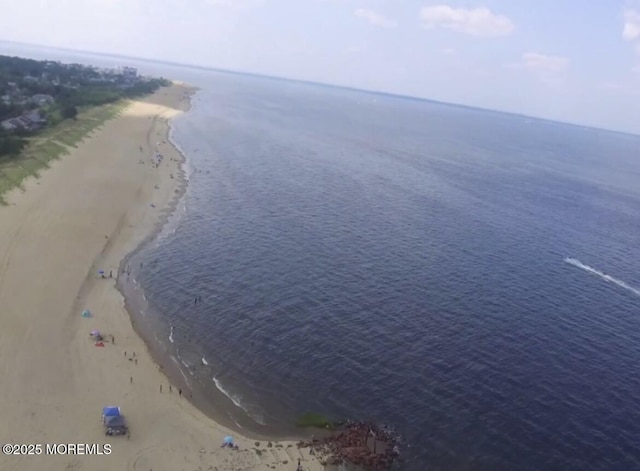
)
(467, 277)
(464, 276)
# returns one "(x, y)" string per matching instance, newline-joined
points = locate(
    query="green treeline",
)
(57, 91)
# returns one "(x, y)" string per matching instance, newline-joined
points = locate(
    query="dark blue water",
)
(374, 257)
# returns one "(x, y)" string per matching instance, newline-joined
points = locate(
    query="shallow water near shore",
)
(465, 276)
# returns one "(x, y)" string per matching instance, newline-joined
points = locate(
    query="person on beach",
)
(180, 392)
(131, 380)
(110, 273)
(169, 388)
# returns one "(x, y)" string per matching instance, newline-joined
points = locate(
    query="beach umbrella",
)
(100, 272)
(95, 333)
(228, 440)
(86, 313)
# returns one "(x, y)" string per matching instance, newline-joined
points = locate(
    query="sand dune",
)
(86, 213)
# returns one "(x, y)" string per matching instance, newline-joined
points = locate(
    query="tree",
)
(69, 112)
(10, 145)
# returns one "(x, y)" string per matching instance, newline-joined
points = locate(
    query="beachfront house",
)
(41, 99)
(14, 96)
(35, 118)
(31, 121)
(9, 125)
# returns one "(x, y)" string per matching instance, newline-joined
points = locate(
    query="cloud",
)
(480, 22)
(631, 32)
(548, 68)
(449, 51)
(544, 63)
(375, 18)
(631, 28)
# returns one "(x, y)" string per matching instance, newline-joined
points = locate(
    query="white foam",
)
(236, 401)
(171, 335)
(608, 278)
(237, 424)
(186, 380)
(204, 361)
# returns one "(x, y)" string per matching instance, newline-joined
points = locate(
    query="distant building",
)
(41, 99)
(35, 118)
(8, 124)
(105, 71)
(19, 100)
(31, 121)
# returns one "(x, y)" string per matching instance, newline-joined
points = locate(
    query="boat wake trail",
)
(604, 276)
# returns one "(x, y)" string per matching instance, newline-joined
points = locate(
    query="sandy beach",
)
(85, 214)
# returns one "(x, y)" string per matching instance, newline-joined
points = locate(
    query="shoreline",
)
(90, 211)
(132, 292)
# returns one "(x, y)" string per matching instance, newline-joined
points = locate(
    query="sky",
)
(576, 61)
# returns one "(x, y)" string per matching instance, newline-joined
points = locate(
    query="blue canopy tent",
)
(110, 411)
(114, 422)
(86, 313)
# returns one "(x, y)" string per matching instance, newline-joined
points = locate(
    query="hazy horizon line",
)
(324, 84)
